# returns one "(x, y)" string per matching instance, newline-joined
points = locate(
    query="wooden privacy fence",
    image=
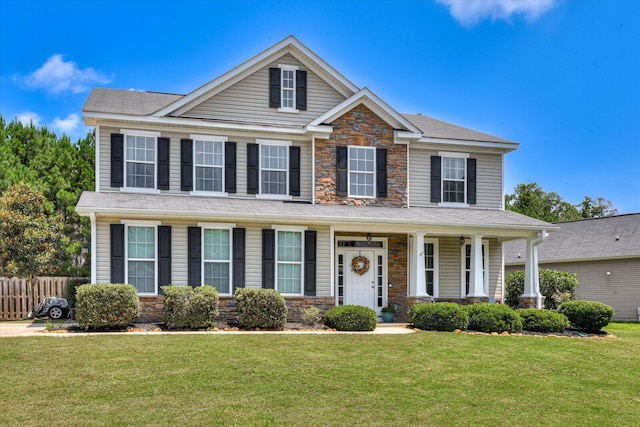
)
(14, 296)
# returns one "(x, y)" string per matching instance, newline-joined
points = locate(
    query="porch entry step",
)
(391, 325)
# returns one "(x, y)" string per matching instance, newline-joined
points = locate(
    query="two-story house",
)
(283, 174)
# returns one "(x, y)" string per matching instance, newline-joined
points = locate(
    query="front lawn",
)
(427, 378)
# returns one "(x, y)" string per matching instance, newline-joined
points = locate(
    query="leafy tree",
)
(531, 200)
(29, 236)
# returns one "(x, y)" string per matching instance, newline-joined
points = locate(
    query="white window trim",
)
(349, 173)
(436, 266)
(260, 194)
(134, 132)
(217, 226)
(293, 109)
(443, 154)
(208, 138)
(463, 278)
(138, 223)
(290, 228)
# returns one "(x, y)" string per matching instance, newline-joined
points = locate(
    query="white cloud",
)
(28, 117)
(470, 12)
(56, 76)
(68, 125)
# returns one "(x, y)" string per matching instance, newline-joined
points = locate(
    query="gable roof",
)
(434, 128)
(588, 239)
(130, 102)
(289, 45)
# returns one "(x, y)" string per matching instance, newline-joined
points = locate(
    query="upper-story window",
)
(287, 88)
(453, 179)
(273, 169)
(209, 163)
(362, 170)
(141, 161)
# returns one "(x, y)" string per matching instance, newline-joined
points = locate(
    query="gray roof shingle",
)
(434, 128)
(598, 238)
(130, 102)
(208, 208)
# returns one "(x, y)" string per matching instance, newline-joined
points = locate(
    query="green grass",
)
(427, 379)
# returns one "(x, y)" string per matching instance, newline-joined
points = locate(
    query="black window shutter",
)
(164, 256)
(238, 257)
(436, 177)
(253, 168)
(117, 253)
(163, 164)
(301, 90)
(230, 167)
(471, 181)
(381, 172)
(294, 171)
(341, 170)
(186, 164)
(268, 258)
(310, 238)
(194, 257)
(274, 87)
(117, 160)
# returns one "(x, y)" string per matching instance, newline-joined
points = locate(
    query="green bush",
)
(535, 320)
(587, 315)
(310, 316)
(72, 284)
(106, 306)
(351, 318)
(556, 286)
(187, 307)
(441, 316)
(261, 308)
(493, 318)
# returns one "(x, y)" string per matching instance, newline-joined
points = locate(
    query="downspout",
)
(313, 170)
(536, 279)
(94, 244)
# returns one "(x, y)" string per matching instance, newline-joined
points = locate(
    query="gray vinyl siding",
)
(179, 266)
(248, 99)
(488, 174)
(174, 168)
(495, 270)
(620, 289)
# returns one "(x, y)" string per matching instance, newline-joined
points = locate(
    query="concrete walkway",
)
(22, 328)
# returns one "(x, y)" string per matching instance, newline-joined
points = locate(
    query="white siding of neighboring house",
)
(241, 161)
(248, 99)
(488, 175)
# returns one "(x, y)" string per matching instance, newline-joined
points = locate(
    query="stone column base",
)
(475, 300)
(529, 302)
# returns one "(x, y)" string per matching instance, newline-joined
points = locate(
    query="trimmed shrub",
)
(106, 306)
(441, 316)
(351, 318)
(261, 308)
(556, 286)
(588, 316)
(72, 284)
(535, 320)
(493, 318)
(187, 307)
(310, 316)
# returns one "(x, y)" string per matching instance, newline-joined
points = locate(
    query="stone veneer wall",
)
(361, 127)
(151, 308)
(397, 276)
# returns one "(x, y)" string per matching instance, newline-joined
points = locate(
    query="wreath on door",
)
(360, 265)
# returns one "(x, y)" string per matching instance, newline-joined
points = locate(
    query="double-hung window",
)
(362, 169)
(431, 266)
(466, 268)
(288, 88)
(274, 171)
(216, 258)
(140, 159)
(289, 250)
(209, 163)
(141, 258)
(454, 183)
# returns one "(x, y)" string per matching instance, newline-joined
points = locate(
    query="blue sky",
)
(558, 76)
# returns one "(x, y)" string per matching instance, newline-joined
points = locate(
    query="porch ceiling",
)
(436, 220)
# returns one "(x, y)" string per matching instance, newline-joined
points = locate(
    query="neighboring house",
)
(603, 252)
(283, 174)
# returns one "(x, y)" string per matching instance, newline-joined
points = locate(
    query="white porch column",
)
(531, 279)
(418, 266)
(476, 279)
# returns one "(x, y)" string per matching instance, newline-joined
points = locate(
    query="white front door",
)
(360, 289)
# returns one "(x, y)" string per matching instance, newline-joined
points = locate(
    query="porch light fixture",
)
(461, 240)
(368, 237)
